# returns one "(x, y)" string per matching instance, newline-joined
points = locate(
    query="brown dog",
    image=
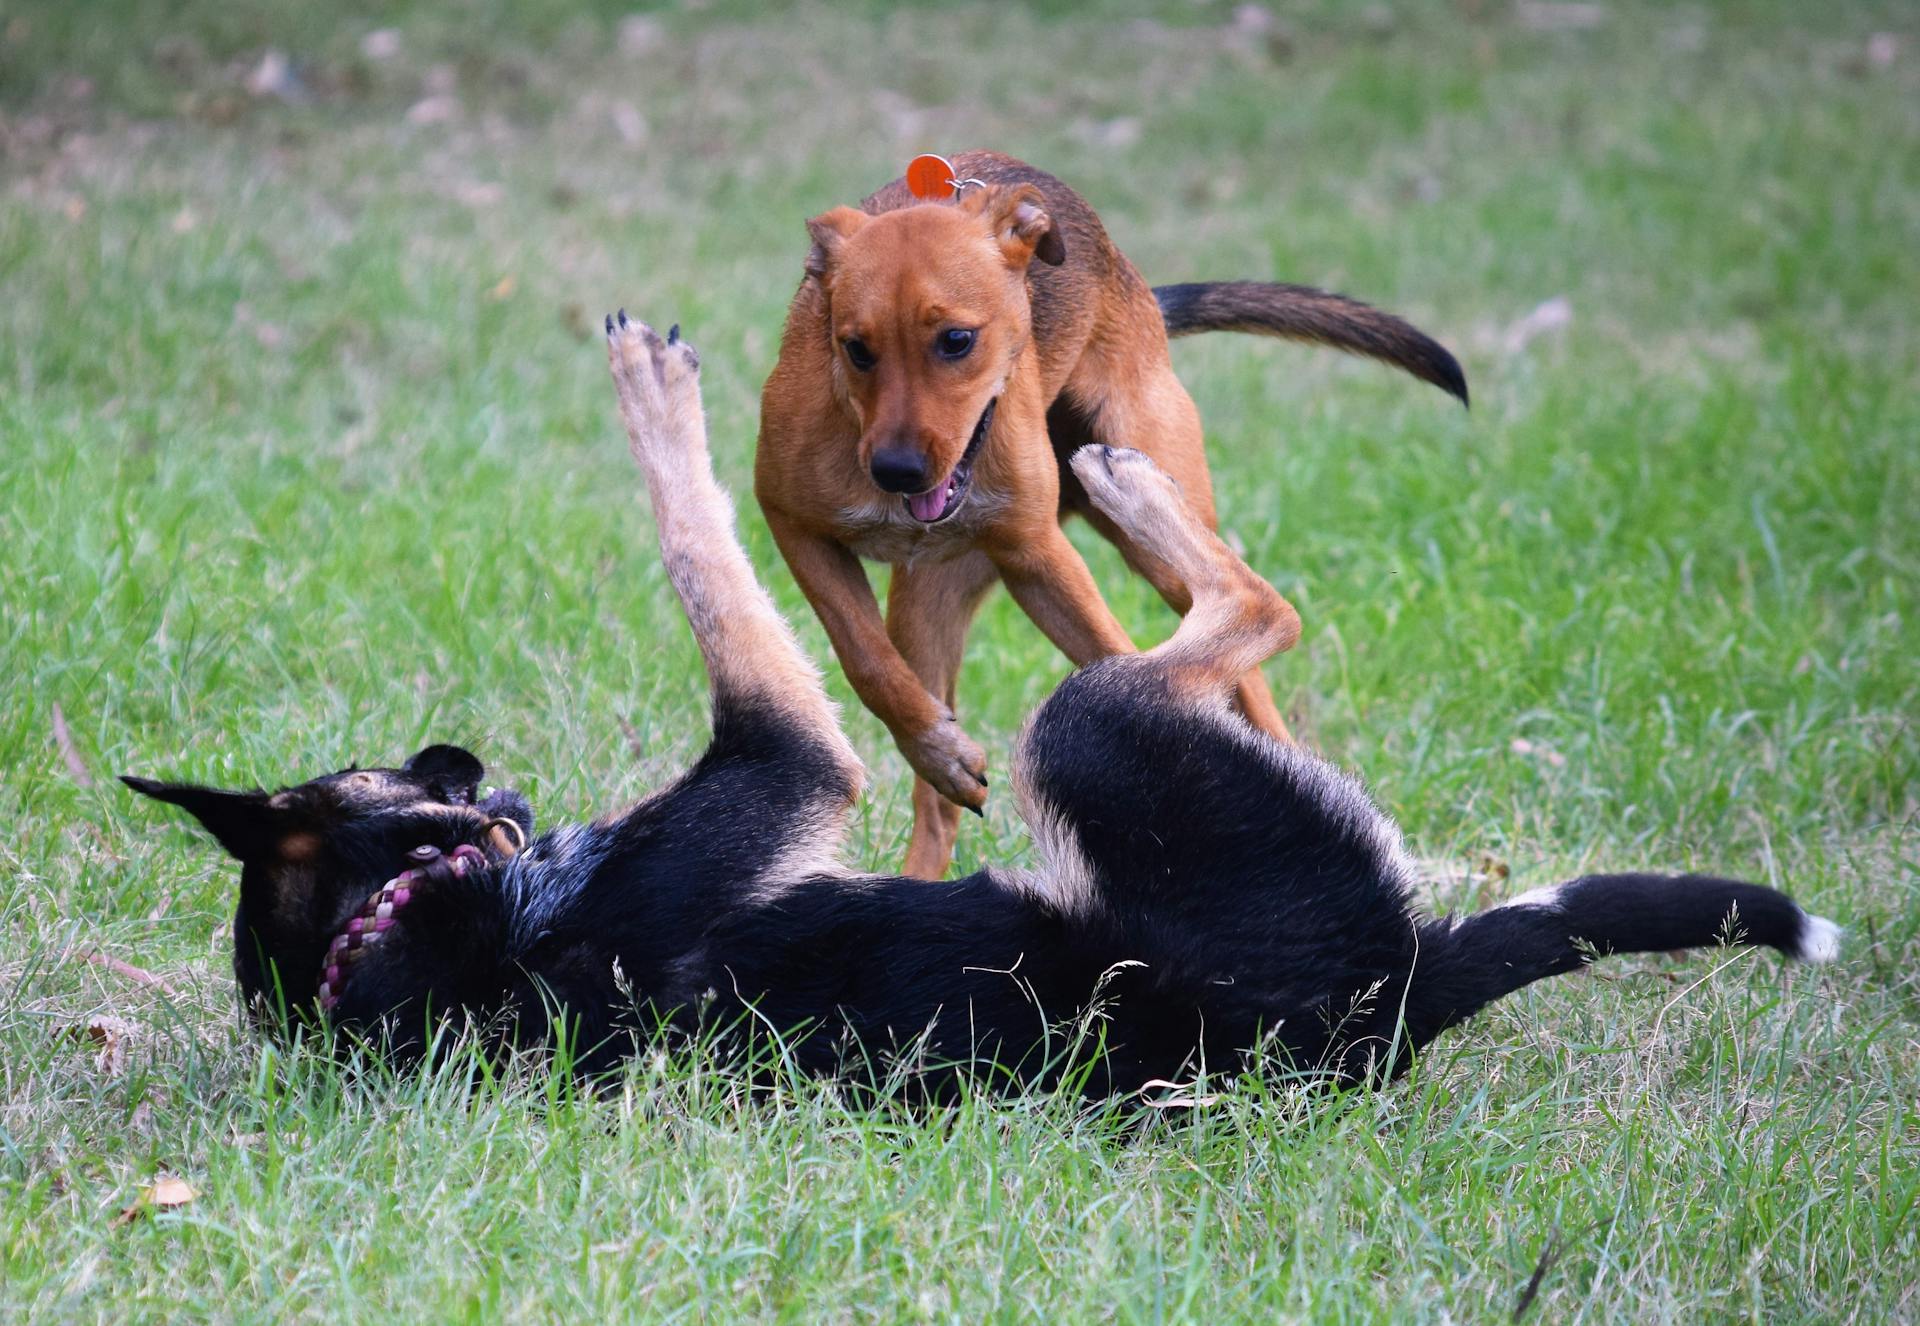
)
(932, 381)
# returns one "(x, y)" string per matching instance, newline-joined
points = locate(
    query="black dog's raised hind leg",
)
(1139, 770)
(1237, 620)
(761, 679)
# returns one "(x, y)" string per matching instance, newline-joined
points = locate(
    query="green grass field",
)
(308, 455)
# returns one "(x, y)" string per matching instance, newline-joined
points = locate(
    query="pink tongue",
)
(928, 506)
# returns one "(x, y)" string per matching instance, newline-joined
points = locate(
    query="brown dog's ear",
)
(243, 822)
(829, 231)
(1017, 216)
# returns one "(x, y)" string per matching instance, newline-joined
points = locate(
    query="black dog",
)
(1208, 898)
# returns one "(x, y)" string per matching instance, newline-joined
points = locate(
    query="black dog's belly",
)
(853, 975)
(972, 978)
(1221, 855)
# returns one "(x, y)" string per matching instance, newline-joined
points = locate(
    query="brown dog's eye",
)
(857, 353)
(954, 343)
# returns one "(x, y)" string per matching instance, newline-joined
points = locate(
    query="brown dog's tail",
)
(1301, 313)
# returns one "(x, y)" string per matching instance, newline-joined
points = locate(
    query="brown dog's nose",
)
(900, 470)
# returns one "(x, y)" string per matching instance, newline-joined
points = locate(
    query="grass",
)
(307, 455)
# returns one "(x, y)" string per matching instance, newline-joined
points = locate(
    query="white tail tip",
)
(1819, 939)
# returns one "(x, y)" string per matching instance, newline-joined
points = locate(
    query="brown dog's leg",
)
(1237, 620)
(929, 608)
(1050, 581)
(923, 727)
(750, 654)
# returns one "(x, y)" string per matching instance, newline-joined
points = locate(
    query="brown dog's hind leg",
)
(929, 608)
(751, 656)
(1237, 620)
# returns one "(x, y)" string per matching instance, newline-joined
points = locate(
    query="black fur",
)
(1217, 902)
(1302, 313)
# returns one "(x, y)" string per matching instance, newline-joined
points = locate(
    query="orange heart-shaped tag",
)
(930, 177)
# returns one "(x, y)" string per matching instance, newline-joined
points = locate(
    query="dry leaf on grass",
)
(138, 975)
(629, 123)
(1548, 316)
(640, 33)
(381, 44)
(63, 738)
(271, 336)
(164, 1193)
(1183, 1096)
(1521, 746)
(112, 1039)
(438, 109)
(276, 77)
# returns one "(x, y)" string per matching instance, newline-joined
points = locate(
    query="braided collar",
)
(381, 912)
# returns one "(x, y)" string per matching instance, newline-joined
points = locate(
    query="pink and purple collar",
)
(382, 911)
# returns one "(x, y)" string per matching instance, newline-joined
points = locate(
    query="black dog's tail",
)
(1466, 964)
(1301, 313)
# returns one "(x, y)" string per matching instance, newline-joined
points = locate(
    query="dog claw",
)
(623, 317)
(976, 810)
(609, 324)
(673, 333)
(981, 779)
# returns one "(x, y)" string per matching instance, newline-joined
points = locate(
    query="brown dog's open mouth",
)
(944, 498)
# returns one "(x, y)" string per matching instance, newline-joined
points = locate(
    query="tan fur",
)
(1085, 331)
(1237, 620)
(749, 650)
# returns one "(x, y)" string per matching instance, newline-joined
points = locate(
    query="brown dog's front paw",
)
(656, 379)
(951, 763)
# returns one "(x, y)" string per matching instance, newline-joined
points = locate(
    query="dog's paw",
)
(1141, 498)
(656, 379)
(951, 763)
(1122, 481)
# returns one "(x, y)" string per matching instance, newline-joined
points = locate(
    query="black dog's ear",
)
(243, 822)
(453, 773)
